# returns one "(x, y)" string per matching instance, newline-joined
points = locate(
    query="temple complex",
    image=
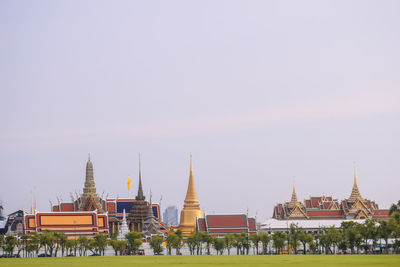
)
(89, 214)
(327, 208)
(191, 209)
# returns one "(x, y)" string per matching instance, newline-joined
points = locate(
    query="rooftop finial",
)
(88, 156)
(355, 173)
(191, 164)
(140, 189)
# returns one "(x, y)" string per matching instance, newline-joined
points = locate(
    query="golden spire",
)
(191, 195)
(355, 193)
(191, 209)
(293, 201)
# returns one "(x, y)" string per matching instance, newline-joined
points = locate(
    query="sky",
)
(263, 94)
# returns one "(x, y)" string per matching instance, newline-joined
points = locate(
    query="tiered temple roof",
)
(327, 208)
(220, 225)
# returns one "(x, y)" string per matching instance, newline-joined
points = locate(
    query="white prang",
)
(124, 228)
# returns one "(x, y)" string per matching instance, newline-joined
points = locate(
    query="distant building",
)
(90, 214)
(220, 225)
(326, 208)
(170, 216)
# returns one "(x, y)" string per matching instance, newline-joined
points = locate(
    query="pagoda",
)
(139, 210)
(124, 228)
(191, 209)
(89, 200)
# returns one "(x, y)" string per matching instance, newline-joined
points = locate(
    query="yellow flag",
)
(129, 183)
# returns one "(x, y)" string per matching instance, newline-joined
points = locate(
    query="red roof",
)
(111, 207)
(202, 224)
(315, 201)
(67, 207)
(324, 212)
(382, 212)
(251, 222)
(217, 221)
(308, 204)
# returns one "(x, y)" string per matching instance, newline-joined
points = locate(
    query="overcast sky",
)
(262, 93)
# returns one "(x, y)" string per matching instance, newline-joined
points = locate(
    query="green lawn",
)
(299, 260)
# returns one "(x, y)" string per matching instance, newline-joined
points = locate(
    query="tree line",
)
(351, 237)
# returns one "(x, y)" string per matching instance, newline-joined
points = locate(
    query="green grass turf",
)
(233, 260)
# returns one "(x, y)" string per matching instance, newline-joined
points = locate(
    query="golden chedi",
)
(191, 209)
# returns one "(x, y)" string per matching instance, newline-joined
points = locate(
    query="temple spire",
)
(355, 192)
(191, 195)
(140, 189)
(293, 201)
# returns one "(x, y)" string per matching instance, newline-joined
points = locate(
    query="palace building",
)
(191, 209)
(90, 214)
(328, 208)
(220, 225)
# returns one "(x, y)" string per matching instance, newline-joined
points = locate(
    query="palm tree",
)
(10, 243)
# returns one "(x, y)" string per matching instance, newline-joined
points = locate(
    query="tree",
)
(228, 242)
(305, 238)
(385, 230)
(83, 243)
(170, 241)
(279, 239)
(351, 234)
(1, 241)
(48, 241)
(239, 241)
(10, 243)
(191, 244)
(101, 242)
(134, 242)
(265, 238)
(60, 239)
(293, 237)
(208, 239)
(156, 244)
(394, 208)
(69, 246)
(177, 244)
(369, 231)
(118, 245)
(219, 245)
(255, 239)
(395, 224)
(34, 242)
(24, 242)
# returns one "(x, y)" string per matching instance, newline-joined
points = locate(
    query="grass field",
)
(299, 260)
